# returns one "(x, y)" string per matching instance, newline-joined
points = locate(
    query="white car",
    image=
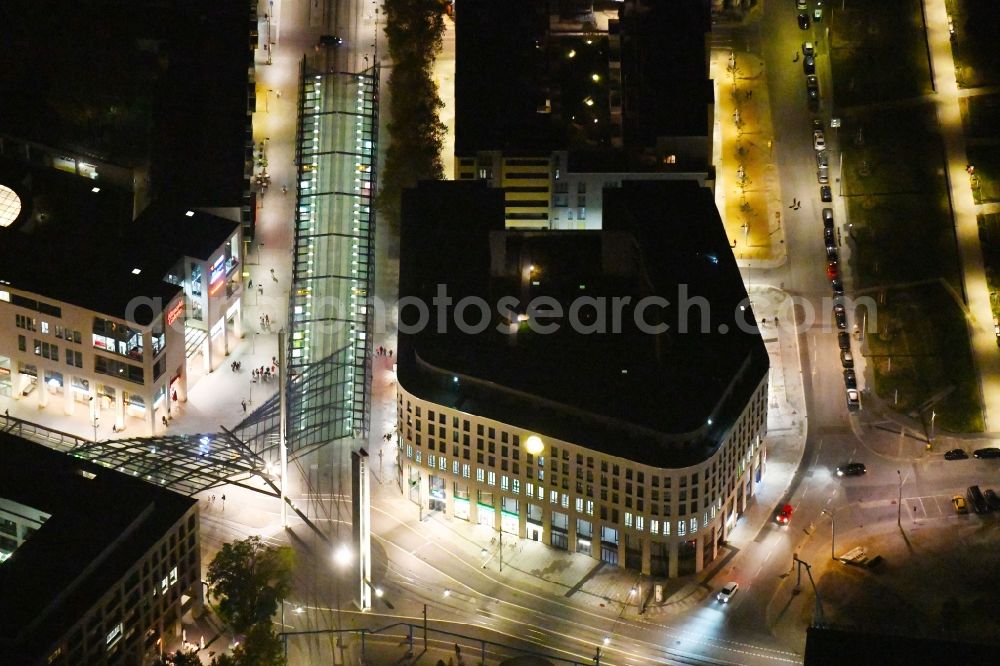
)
(819, 140)
(728, 592)
(800, 4)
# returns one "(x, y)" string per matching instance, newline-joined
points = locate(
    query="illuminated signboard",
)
(175, 312)
(218, 270)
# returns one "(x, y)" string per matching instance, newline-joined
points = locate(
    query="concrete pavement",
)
(747, 190)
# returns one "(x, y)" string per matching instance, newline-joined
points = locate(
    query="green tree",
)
(180, 658)
(249, 578)
(260, 647)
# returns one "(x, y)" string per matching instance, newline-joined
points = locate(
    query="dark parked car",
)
(956, 454)
(987, 453)
(851, 469)
(846, 359)
(837, 286)
(840, 317)
(844, 340)
(828, 236)
(804, 21)
(825, 194)
(808, 49)
(977, 500)
(828, 218)
(330, 40)
(850, 379)
(809, 65)
(992, 499)
(831, 253)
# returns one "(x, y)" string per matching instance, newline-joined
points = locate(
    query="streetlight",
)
(899, 502)
(342, 556)
(833, 532)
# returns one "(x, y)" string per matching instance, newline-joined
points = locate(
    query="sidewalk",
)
(749, 200)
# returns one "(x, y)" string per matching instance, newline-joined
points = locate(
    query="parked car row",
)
(980, 501)
(840, 311)
(960, 454)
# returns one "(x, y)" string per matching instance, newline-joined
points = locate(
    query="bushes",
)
(414, 30)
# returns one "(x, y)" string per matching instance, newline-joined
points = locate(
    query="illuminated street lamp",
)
(342, 556)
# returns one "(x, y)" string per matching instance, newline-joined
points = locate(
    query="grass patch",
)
(977, 59)
(980, 115)
(905, 255)
(879, 52)
(923, 362)
(986, 181)
(989, 240)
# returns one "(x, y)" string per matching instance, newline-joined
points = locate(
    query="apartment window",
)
(694, 525)
(465, 471)
(579, 505)
(45, 326)
(590, 507)
(480, 474)
(442, 463)
(628, 519)
(454, 467)
(517, 487)
(639, 523)
(409, 451)
(431, 460)
(22, 343)
(419, 457)
(565, 501)
(504, 482)
(654, 526)
(529, 489)
(681, 528)
(666, 528)
(491, 478)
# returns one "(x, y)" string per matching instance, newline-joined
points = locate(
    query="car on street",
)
(844, 340)
(837, 286)
(784, 515)
(728, 592)
(853, 400)
(818, 12)
(800, 4)
(846, 359)
(825, 194)
(956, 454)
(851, 469)
(828, 236)
(992, 499)
(991, 452)
(808, 49)
(819, 140)
(812, 83)
(832, 270)
(850, 379)
(959, 503)
(822, 158)
(803, 21)
(977, 500)
(330, 40)
(831, 253)
(828, 217)
(840, 317)
(809, 64)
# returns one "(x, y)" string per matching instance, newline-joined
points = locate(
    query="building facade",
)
(103, 567)
(661, 521)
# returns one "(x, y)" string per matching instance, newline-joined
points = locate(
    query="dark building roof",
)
(510, 67)
(665, 399)
(500, 78)
(665, 86)
(99, 527)
(158, 80)
(836, 646)
(81, 247)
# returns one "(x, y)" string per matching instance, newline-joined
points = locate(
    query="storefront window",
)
(117, 338)
(196, 278)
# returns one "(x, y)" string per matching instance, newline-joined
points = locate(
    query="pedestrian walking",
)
(390, 353)
(223, 502)
(163, 419)
(212, 501)
(250, 284)
(260, 289)
(267, 321)
(273, 276)
(244, 403)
